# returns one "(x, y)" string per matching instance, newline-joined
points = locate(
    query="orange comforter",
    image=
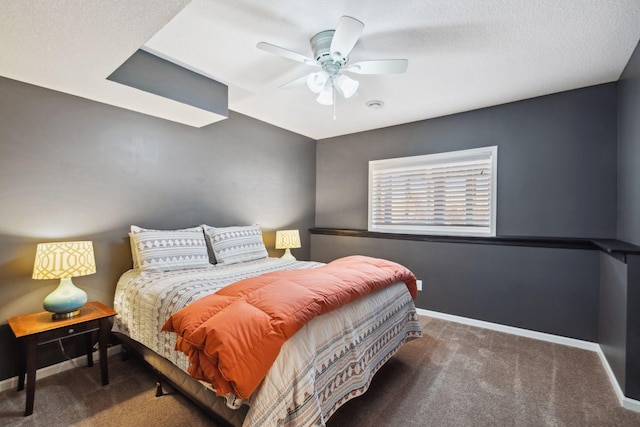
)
(233, 336)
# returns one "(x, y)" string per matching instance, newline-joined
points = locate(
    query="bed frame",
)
(181, 381)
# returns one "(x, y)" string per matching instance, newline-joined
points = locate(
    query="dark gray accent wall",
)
(632, 369)
(155, 75)
(71, 168)
(509, 285)
(612, 321)
(556, 178)
(556, 163)
(629, 151)
(619, 320)
(619, 323)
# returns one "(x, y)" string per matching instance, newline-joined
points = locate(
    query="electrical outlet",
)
(419, 283)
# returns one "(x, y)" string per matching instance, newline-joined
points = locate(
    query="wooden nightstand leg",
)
(89, 349)
(30, 347)
(22, 365)
(103, 343)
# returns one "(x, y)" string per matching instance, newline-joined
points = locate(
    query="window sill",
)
(615, 248)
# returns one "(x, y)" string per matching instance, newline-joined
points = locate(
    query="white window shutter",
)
(447, 193)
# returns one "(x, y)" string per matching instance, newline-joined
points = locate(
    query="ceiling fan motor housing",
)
(321, 46)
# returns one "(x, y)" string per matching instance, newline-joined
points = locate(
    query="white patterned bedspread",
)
(328, 362)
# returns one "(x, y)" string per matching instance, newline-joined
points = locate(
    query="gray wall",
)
(556, 163)
(629, 210)
(619, 319)
(619, 323)
(632, 368)
(556, 178)
(629, 152)
(612, 322)
(509, 285)
(71, 168)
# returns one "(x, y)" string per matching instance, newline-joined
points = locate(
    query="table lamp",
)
(64, 260)
(286, 239)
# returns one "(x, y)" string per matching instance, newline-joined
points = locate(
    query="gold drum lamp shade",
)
(287, 239)
(64, 260)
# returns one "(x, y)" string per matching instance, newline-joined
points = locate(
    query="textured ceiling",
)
(462, 54)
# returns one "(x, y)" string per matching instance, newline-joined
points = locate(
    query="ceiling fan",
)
(331, 49)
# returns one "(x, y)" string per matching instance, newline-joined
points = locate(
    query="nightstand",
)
(34, 329)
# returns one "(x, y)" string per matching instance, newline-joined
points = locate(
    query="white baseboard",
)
(12, 383)
(625, 402)
(631, 404)
(556, 339)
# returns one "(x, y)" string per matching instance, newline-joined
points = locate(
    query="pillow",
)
(132, 241)
(166, 250)
(232, 245)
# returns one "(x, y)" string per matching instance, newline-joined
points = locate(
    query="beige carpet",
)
(455, 375)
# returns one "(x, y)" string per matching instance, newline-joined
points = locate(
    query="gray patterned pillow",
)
(165, 250)
(232, 245)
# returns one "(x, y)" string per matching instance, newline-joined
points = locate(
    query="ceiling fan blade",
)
(285, 53)
(382, 66)
(345, 37)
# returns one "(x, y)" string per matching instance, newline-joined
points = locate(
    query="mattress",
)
(328, 362)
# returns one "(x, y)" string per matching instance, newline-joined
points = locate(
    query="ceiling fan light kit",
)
(316, 81)
(331, 49)
(347, 86)
(326, 94)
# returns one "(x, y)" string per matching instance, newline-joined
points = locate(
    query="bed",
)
(329, 361)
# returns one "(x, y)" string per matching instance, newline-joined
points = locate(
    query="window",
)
(448, 193)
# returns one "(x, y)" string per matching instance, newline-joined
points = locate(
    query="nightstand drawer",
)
(68, 331)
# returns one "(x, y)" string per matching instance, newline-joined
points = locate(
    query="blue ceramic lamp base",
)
(65, 301)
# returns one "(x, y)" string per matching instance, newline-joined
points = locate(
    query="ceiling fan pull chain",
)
(335, 101)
